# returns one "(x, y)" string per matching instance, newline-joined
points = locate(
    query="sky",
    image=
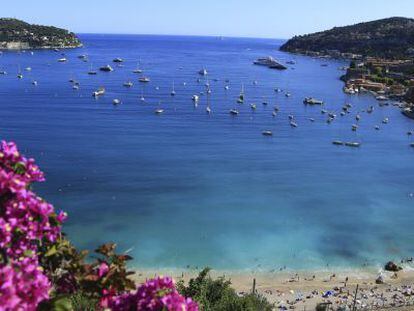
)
(238, 18)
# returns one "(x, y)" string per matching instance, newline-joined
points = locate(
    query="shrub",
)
(218, 295)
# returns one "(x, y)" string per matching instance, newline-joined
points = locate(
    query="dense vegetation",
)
(389, 38)
(35, 36)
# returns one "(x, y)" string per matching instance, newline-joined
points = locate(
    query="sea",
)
(185, 188)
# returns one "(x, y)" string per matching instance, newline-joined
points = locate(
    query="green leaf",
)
(59, 303)
(51, 251)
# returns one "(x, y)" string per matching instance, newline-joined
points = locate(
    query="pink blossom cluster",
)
(154, 295)
(22, 285)
(26, 222)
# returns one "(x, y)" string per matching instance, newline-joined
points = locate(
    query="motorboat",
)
(118, 60)
(128, 84)
(106, 68)
(99, 92)
(269, 62)
(234, 112)
(267, 133)
(144, 79)
(116, 101)
(312, 101)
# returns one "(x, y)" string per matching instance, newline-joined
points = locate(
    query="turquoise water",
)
(184, 188)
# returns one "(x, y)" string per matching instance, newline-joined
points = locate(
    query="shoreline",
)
(304, 289)
(41, 48)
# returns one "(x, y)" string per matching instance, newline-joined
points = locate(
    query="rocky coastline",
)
(19, 35)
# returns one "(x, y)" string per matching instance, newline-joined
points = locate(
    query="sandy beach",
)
(303, 290)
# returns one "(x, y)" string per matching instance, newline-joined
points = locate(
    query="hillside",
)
(389, 38)
(16, 34)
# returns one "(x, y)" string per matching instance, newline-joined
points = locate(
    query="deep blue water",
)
(184, 188)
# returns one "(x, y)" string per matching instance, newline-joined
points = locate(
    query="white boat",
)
(2, 72)
(144, 79)
(159, 111)
(19, 76)
(34, 83)
(75, 87)
(208, 110)
(195, 98)
(118, 60)
(226, 87)
(62, 60)
(138, 69)
(338, 143)
(293, 124)
(116, 101)
(28, 69)
(354, 127)
(385, 121)
(253, 106)
(267, 133)
(173, 90)
(128, 84)
(234, 112)
(99, 92)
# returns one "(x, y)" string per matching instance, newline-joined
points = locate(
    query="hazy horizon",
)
(265, 19)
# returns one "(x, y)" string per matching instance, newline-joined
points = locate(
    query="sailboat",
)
(19, 73)
(208, 108)
(159, 110)
(91, 72)
(138, 69)
(173, 89)
(240, 100)
(142, 94)
(202, 72)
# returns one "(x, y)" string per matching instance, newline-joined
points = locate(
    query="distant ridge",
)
(17, 34)
(390, 38)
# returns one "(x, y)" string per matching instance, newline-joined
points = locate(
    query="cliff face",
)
(16, 34)
(388, 38)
